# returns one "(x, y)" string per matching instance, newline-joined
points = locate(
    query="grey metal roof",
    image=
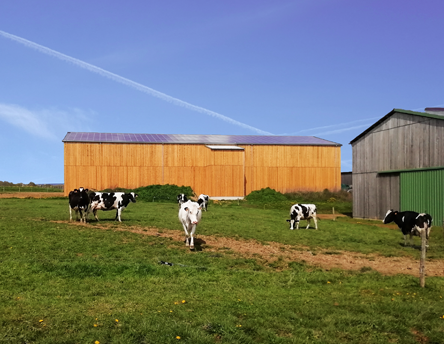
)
(197, 139)
(407, 112)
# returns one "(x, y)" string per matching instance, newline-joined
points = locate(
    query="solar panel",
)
(195, 139)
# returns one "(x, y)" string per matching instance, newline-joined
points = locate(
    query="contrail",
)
(128, 82)
(336, 125)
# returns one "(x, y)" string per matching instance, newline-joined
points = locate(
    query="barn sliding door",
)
(423, 191)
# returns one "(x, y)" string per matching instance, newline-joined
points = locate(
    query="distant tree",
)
(32, 184)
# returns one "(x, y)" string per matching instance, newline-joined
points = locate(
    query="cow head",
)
(390, 216)
(193, 212)
(133, 197)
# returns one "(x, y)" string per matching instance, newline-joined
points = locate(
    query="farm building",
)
(216, 165)
(398, 163)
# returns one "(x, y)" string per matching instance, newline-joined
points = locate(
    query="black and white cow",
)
(302, 212)
(110, 201)
(181, 199)
(423, 223)
(407, 222)
(203, 201)
(79, 202)
(190, 214)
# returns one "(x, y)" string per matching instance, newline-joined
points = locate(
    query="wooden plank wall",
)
(213, 172)
(401, 142)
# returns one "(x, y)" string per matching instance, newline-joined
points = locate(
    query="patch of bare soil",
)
(31, 195)
(272, 251)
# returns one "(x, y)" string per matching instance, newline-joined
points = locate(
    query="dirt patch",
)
(31, 195)
(271, 251)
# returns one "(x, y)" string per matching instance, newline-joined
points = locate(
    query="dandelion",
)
(117, 320)
(176, 303)
(96, 342)
(171, 311)
(183, 301)
(177, 337)
(328, 282)
(40, 320)
(95, 325)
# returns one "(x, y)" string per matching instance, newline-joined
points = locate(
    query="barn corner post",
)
(423, 258)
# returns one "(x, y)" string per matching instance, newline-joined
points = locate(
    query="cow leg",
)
(118, 212)
(193, 229)
(308, 224)
(95, 214)
(316, 222)
(297, 224)
(70, 213)
(186, 235)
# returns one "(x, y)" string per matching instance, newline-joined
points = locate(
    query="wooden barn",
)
(216, 165)
(398, 163)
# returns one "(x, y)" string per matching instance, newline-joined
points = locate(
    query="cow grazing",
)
(302, 212)
(190, 214)
(407, 222)
(181, 199)
(203, 201)
(79, 202)
(112, 200)
(423, 223)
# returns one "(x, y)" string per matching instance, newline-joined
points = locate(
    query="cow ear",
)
(288, 220)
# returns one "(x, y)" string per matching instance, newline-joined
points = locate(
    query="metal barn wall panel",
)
(401, 141)
(423, 191)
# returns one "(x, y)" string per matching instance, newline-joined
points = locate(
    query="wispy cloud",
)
(128, 82)
(45, 123)
(338, 131)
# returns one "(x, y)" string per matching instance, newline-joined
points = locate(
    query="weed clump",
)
(266, 195)
(162, 193)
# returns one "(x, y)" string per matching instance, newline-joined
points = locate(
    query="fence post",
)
(423, 258)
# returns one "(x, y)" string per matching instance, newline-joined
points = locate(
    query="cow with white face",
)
(190, 214)
(110, 201)
(181, 199)
(300, 212)
(203, 201)
(79, 202)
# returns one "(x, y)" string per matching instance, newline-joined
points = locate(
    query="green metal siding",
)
(423, 192)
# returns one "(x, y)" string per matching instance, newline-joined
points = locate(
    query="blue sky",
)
(327, 68)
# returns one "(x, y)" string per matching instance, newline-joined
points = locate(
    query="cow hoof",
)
(191, 247)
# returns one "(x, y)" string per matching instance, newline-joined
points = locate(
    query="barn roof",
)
(407, 112)
(197, 139)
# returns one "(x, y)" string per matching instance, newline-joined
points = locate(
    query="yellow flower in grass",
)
(183, 301)
(40, 320)
(117, 320)
(177, 337)
(95, 325)
(96, 342)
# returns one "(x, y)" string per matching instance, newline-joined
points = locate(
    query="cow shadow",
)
(414, 247)
(198, 245)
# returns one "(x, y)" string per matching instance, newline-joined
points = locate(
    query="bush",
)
(162, 193)
(266, 195)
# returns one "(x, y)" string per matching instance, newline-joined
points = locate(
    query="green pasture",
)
(63, 283)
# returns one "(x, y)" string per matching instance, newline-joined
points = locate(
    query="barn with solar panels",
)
(216, 165)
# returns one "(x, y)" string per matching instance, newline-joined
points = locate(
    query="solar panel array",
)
(196, 139)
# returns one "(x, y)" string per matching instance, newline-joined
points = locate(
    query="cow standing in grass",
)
(300, 212)
(190, 214)
(203, 201)
(411, 223)
(79, 202)
(111, 200)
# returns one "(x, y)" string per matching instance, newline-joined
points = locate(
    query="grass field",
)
(65, 283)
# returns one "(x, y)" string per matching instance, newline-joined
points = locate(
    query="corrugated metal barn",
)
(398, 163)
(216, 165)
